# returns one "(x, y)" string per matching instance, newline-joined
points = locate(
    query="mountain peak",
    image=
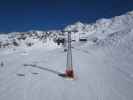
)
(79, 23)
(75, 27)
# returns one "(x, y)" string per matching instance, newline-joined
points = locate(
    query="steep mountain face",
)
(104, 31)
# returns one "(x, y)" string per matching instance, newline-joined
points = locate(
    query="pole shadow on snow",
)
(46, 69)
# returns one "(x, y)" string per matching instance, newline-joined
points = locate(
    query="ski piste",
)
(62, 75)
(69, 72)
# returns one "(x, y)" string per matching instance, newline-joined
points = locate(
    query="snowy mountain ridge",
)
(103, 25)
(99, 30)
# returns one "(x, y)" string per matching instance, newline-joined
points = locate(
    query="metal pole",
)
(69, 67)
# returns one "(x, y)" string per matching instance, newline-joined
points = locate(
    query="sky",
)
(25, 15)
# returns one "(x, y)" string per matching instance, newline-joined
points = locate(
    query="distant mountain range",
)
(102, 32)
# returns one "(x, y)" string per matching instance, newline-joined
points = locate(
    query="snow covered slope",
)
(102, 65)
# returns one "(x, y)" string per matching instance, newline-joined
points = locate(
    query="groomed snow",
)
(101, 74)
